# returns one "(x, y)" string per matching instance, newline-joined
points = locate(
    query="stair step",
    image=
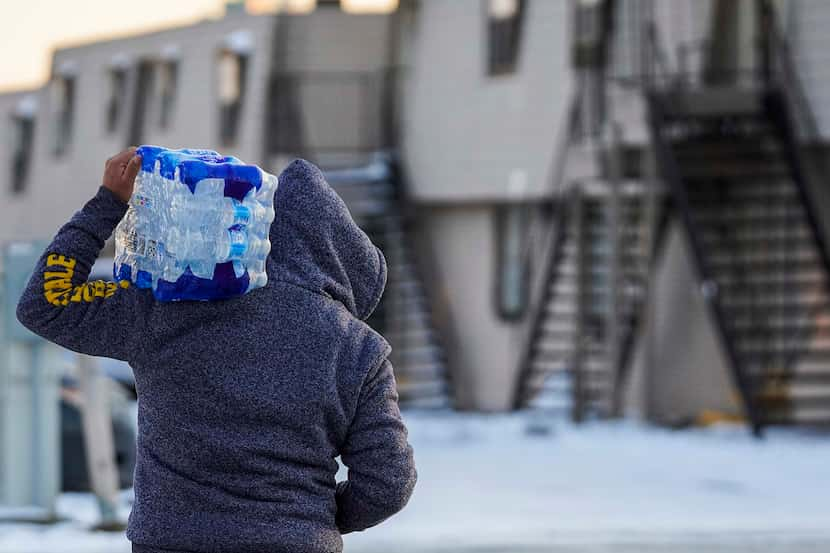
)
(766, 189)
(558, 325)
(800, 278)
(565, 378)
(806, 326)
(803, 371)
(726, 147)
(560, 310)
(435, 403)
(408, 302)
(797, 415)
(793, 314)
(419, 353)
(411, 285)
(797, 392)
(563, 350)
(764, 265)
(742, 224)
(770, 305)
(627, 251)
(774, 295)
(782, 347)
(557, 336)
(410, 388)
(589, 364)
(420, 373)
(776, 241)
(796, 233)
(806, 354)
(569, 288)
(411, 318)
(794, 255)
(411, 335)
(589, 395)
(734, 169)
(726, 207)
(569, 270)
(564, 396)
(712, 103)
(420, 368)
(628, 233)
(763, 217)
(741, 155)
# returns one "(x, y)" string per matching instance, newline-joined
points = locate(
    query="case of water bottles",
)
(197, 226)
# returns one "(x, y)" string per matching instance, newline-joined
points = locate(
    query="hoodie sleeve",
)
(381, 465)
(96, 318)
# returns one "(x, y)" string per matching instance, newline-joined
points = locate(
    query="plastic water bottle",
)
(197, 226)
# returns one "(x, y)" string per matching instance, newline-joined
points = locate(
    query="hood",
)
(315, 243)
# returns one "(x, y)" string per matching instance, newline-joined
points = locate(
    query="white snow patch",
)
(484, 481)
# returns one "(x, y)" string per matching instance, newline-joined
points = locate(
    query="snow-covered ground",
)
(488, 485)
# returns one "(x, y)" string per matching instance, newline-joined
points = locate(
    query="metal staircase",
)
(758, 252)
(372, 194)
(593, 300)
(735, 161)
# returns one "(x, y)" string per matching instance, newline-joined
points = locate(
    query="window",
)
(259, 7)
(168, 83)
(142, 98)
(117, 97)
(232, 70)
(369, 6)
(504, 27)
(23, 121)
(63, 102)
(513, 263)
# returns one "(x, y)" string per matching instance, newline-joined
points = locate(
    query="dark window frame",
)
(142, 100)
(230, 113)
(24, 129)
(118, 79)
(169, 91)
(66, 115)
(512, 265)
(504, 39)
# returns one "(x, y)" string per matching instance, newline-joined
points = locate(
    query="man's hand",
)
(120, 172)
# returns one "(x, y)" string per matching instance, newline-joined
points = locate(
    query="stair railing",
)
(788, 106)
(557, 231)
(554, 234)
(658, 79)
(709, 288)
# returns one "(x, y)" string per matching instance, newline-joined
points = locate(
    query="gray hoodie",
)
(244, 404)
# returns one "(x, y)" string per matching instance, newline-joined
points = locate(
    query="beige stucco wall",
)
(468, 136)
(484, 350)
(679, 369)
(58, 185)
(11, 203)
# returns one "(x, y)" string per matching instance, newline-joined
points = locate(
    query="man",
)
(244, 404)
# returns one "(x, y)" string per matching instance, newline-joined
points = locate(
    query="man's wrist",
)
(108, 194)
(116, 194)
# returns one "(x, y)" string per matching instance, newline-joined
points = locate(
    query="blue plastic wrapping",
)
(197, 226)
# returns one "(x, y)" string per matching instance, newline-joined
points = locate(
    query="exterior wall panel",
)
(59, 184)
(469, 136)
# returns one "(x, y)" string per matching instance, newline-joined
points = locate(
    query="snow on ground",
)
(486, 484)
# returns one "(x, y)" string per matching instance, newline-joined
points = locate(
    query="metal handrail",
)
(537, 320)
(653, 87)
(778, 70)
(709, 289)
(788, 106)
